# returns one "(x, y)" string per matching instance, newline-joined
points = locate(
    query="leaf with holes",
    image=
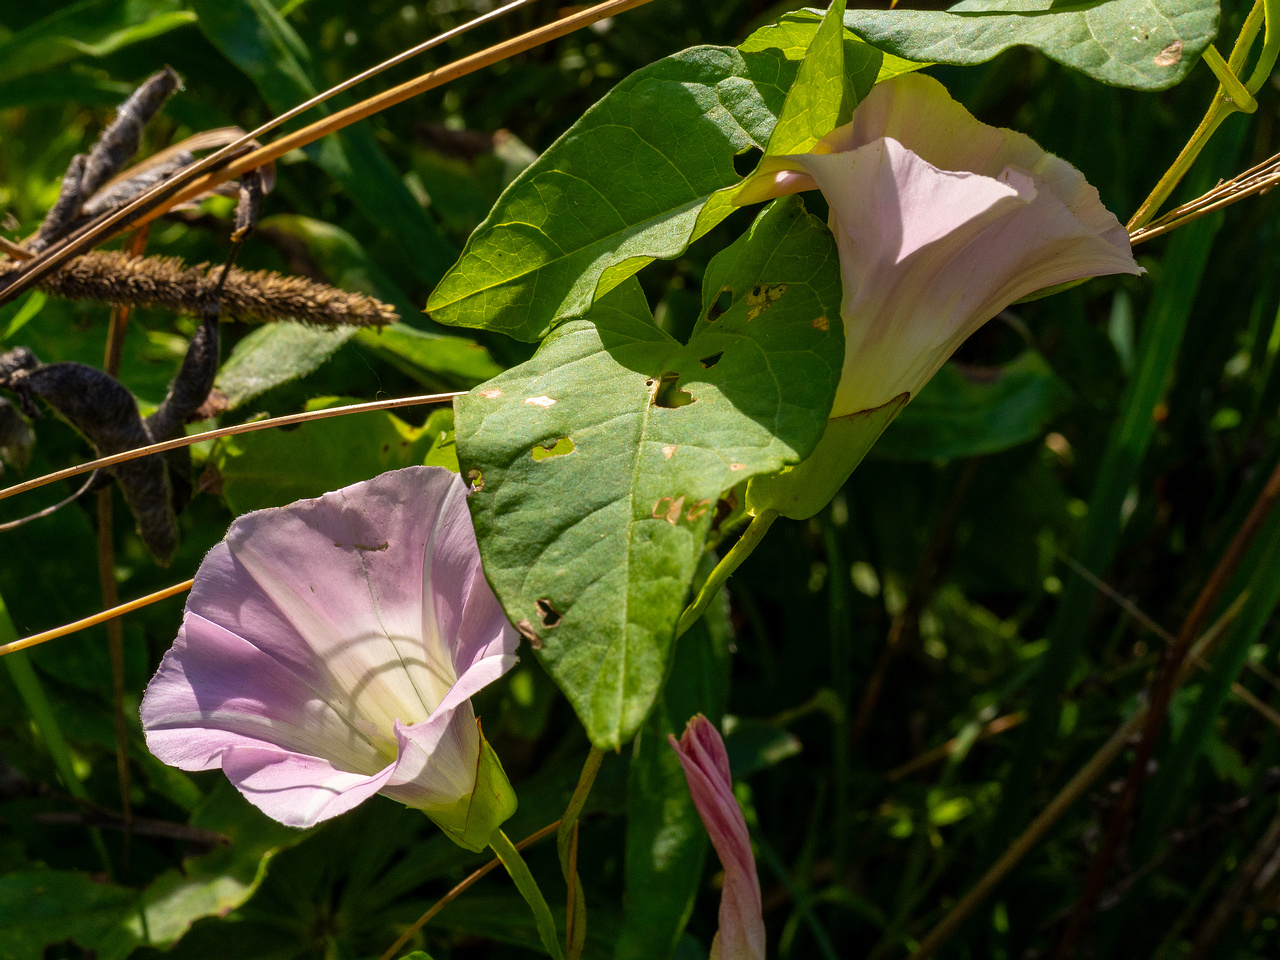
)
(1143, 44)
(641, 176)
(599, 465)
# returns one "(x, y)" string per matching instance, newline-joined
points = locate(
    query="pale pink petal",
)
(927, 256)
(706, 768)
(919, 112)
(296, 789)
(330, 648)
(215, 690)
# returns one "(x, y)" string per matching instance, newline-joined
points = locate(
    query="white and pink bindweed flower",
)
(329, 651)
(941, 222)
(706, 768)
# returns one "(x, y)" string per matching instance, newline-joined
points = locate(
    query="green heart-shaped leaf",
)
(598, 465)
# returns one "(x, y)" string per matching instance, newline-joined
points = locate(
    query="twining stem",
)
(575, 936)
(38, 638)
(730, 562)
(1222, 105)
(519, 870)
(1231, 85)
(107, 569)
(250, 427)
(460, 889)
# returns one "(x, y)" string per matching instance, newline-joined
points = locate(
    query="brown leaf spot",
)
(669, 509)
(541, 401)
(548, 614)
(737, 466)
(1169, 55)
(821, 323)
(697, 510)
(491, 394)
(525, 629)
(669, 450)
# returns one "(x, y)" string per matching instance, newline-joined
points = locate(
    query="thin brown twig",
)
(231, 161)
(1257, 179)
(107, 568)
(460, 889)
(1162, 692)
(69, 628)
(14, 250)
(167, 445)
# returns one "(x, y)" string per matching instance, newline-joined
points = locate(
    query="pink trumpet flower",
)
(706, 768)
(941, 222)
(328, 652)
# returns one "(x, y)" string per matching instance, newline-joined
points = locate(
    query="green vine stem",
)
(506, 851)
(1222, 105)
(749, 540)
(575, 936)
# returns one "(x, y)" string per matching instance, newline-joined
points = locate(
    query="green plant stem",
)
(506, 851)
(575, 936)
(749, 540)
(1231, 85)
(1270, 46)
(1222, 105)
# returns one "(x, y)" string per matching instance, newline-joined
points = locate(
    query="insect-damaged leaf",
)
(591, 547)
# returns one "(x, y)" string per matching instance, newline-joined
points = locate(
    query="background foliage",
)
(1127, 424)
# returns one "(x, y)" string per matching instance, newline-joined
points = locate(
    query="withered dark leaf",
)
(105, 412)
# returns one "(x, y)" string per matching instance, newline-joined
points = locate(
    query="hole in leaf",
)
(722, 303)
(746, 162)
(711, 361)
(548, 614)
(667, 392)
(553, 448)
(475, 479)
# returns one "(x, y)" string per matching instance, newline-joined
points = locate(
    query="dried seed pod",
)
(117, 194)
(119, 142)
(105, 412)
(193, 384)
(64, 212)
(249, 206)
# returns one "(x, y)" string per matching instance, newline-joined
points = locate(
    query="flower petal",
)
(706, 768)
(295, 789)
(216, 691)
(918, 112)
